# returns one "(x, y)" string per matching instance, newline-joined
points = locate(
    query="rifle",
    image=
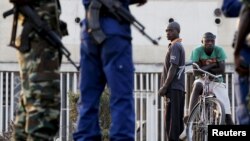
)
(41, 28)
(115, 8)
(14, 25)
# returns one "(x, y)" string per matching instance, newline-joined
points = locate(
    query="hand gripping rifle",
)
(41, 28)
(115, 8)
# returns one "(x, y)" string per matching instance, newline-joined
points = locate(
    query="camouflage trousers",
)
(38, 114)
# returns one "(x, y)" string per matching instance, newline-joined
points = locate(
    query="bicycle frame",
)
(204, 119)
(202, 101)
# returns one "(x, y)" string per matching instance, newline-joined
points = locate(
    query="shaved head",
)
(175, 26)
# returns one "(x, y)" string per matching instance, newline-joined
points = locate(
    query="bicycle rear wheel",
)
(197, 125)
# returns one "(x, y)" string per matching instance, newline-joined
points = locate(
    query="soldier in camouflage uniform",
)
(38, 113)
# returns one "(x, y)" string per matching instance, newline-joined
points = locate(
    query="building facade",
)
(195, 17)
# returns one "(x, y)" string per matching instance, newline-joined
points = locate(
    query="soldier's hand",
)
(242, 71)
(238, 68)
(20, 2)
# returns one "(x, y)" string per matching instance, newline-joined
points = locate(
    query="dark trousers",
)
(174, 111)
(110, 63)
(243, 95)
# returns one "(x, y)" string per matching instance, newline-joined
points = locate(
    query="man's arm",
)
(219, 68)
(243, 30)
(215, 68)
(170, 76)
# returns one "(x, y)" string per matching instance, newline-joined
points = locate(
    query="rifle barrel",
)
(8, 13)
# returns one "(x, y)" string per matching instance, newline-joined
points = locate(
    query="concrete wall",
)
(6, 53)
(194, 16)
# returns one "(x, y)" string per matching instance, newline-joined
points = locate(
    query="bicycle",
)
(208, 111)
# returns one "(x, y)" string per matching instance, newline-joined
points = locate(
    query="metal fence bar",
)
(67, 105)
(141, 105)
(12, 97)
(135, 99)
(75, 81)
(147, 97)
(64, 109)
(60, 129)
(6, 105)
(149, 110)
(156, 103)
(1, 103)
(162, 119)
(233, 99)
(227, 85)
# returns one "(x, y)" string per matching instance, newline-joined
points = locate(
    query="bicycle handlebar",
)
(198, 69)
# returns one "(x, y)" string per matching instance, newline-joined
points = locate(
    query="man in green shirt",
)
(210, 58)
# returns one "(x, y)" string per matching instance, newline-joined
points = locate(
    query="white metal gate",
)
(148, 106)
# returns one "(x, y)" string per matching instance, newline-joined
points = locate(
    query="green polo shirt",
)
(199, 55)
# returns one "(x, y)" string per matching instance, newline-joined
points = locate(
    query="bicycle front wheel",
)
(213, 113)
